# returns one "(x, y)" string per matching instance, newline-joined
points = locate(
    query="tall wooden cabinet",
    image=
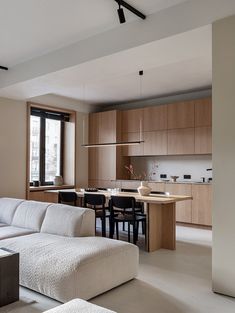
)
(103, 128)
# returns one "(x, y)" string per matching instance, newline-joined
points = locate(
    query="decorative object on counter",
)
(36, 183)
(58, 181)
(142, 176)
(174, 178)
(144, 189)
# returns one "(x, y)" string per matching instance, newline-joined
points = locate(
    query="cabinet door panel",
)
(131, 120)
(184, 208)
(155, 143)
(202, 204)
(203, 112)
(106, 163)
(180, 115)
(155, 118)
(157, 186)
(134, 150)
(181, 141)
(203, 140)
(107, 126)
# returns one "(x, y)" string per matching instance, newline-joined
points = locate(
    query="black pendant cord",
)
(130, 8)
(3, 68)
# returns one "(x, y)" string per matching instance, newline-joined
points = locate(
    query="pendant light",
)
(120, 143)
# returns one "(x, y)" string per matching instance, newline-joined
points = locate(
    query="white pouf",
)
(79, 306)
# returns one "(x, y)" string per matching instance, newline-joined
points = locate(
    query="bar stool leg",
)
(117, 231)
(129, 232)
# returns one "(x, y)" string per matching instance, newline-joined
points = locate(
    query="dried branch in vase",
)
(142, 176)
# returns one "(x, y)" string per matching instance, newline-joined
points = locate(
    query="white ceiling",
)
(30, 28)
(171, 65)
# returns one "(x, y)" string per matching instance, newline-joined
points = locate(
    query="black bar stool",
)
(123, 209)
(97, 203)
(68, 197)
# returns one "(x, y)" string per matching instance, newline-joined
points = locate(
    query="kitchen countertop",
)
(168, 182)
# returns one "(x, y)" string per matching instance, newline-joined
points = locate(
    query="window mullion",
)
(42, 150)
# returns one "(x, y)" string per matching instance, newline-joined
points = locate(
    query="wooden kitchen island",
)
(160, 213)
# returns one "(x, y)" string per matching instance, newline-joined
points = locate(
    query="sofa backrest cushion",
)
(30, 214)
(8, 207)
(65, 220)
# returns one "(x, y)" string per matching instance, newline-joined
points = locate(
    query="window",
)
(46, 145)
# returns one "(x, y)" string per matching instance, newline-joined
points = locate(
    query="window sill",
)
(41, 188)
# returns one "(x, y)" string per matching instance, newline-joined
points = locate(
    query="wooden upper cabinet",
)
(155, 118)
(93, 128)
(107, 126)
(135, 150)
(181, 141)
(180, 115)
(131, 120)
(203, 140)
(203, 112)
(155, 143)
(202, 204)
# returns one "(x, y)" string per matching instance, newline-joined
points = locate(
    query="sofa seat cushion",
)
(30, 214)
(3, 224)
(65, 268)
(69, 221)
(79, 306)
(8, 207)
(12, 231)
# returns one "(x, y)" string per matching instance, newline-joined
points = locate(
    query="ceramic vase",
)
(58, 181)
(144, 189)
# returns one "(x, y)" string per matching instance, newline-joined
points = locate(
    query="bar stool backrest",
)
(67, 197)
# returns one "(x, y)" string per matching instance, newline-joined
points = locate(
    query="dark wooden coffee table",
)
(9, 276)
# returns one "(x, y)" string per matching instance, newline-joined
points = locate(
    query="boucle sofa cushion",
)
(66, 268)
(7, 209)
(30, 214)
(2, 225)
(12, 231)
(70, 221)
(79, 306)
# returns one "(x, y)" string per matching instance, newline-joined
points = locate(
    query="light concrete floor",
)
(168, 282)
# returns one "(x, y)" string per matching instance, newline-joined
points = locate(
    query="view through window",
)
(46, 145)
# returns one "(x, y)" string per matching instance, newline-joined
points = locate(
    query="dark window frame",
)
(47, 114)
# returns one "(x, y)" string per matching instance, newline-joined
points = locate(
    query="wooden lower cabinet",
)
(202, 204)
(102, 184)
(184, 208)
(36, 196)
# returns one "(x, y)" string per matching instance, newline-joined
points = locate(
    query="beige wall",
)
(12, 148)
(224, 156)
(13, 144)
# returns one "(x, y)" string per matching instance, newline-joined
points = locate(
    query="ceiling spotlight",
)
(130, 8)
(3, 68)
(121, 15)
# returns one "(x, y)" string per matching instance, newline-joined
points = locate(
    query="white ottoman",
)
(79, 306)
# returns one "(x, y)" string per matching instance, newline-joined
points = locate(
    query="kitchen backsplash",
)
(174, 165)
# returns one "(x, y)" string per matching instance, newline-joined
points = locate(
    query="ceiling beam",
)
(165, 23)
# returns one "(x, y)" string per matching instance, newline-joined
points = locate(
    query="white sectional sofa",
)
(59, 254)
(79, 306)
